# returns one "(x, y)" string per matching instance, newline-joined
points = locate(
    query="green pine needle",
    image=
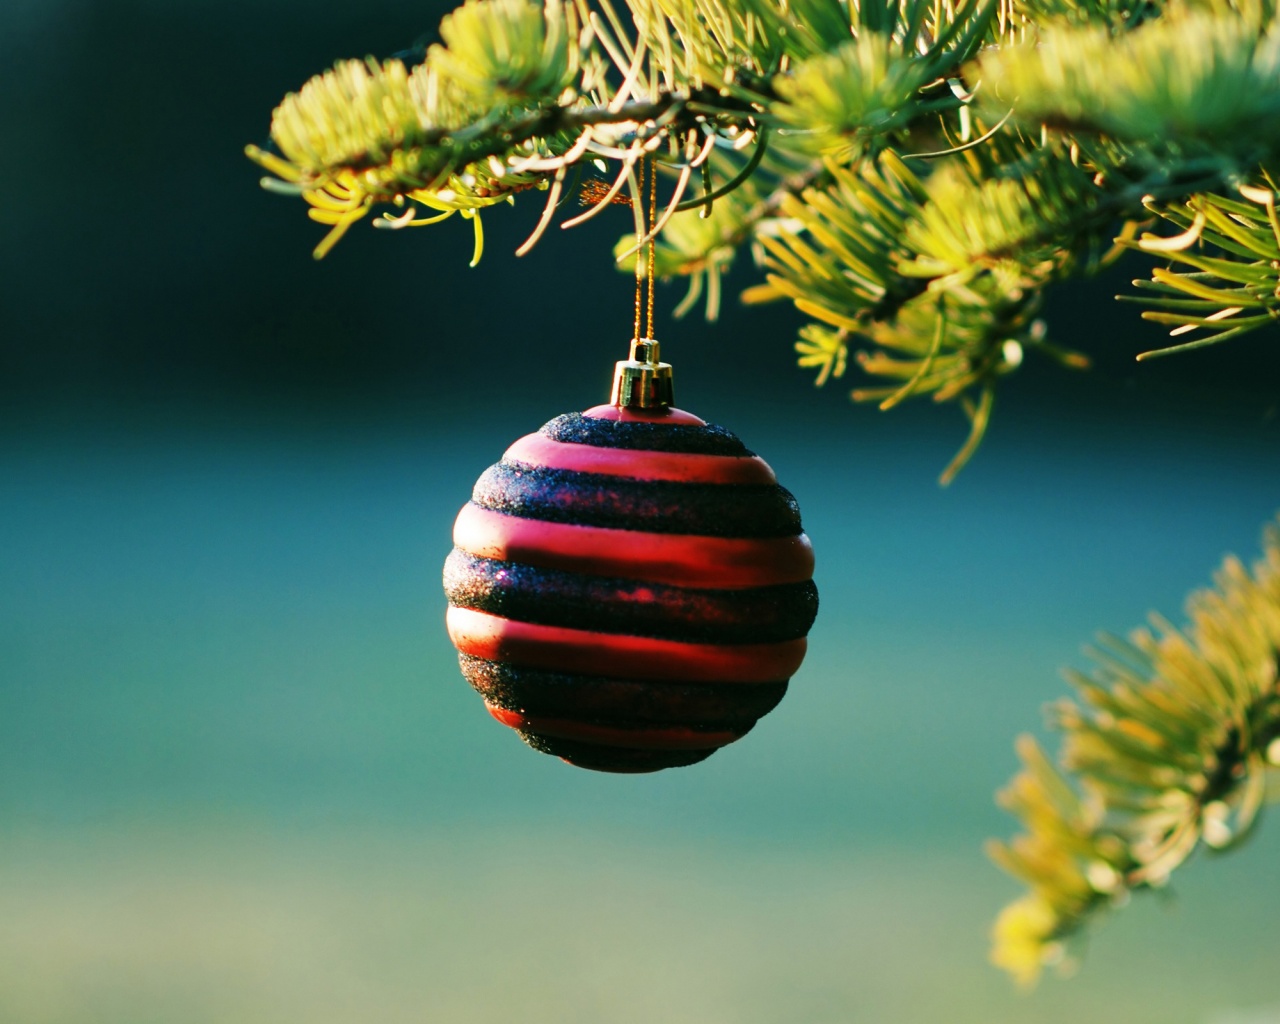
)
(1223, 278)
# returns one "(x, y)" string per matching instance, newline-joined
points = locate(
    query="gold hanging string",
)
(643, 381)
(653, 219)
(640, 168)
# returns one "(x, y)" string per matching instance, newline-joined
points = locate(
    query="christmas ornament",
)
(630, 589)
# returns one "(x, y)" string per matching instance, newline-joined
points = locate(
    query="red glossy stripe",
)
(671, 417)
(585, 652)
(608, 736)
(676, 558)
(538, 450)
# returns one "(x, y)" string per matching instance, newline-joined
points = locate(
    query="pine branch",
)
(354, 137)
(1187, 86)
(773, 122)
(519, 92)
(944, 277)
(1231, 286)
(1169, 747)
(858, 95)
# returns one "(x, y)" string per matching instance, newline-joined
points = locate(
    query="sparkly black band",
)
(651, 506)
(574, 428)
(551, 597)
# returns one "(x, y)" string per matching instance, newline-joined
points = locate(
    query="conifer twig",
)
(1169, 746)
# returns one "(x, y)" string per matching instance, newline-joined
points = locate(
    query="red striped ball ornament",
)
(630, 588)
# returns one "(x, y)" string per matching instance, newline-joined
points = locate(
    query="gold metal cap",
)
(642, 382)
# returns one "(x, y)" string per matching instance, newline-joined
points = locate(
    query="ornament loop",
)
(642, 382)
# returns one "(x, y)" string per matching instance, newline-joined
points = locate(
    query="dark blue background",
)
(240, 778)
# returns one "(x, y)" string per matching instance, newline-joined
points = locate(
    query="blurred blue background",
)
(240, 776)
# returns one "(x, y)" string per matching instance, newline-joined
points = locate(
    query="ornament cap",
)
(642, 382)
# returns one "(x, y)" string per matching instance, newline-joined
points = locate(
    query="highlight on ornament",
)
(630, 588)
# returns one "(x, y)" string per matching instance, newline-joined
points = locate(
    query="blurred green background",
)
(240, 777)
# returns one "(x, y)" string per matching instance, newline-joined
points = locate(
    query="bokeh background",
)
(240, 777)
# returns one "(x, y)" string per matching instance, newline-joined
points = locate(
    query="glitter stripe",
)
(608, 700)
(630, 657)
(686, 467)
(609, 736)
(678, 559)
